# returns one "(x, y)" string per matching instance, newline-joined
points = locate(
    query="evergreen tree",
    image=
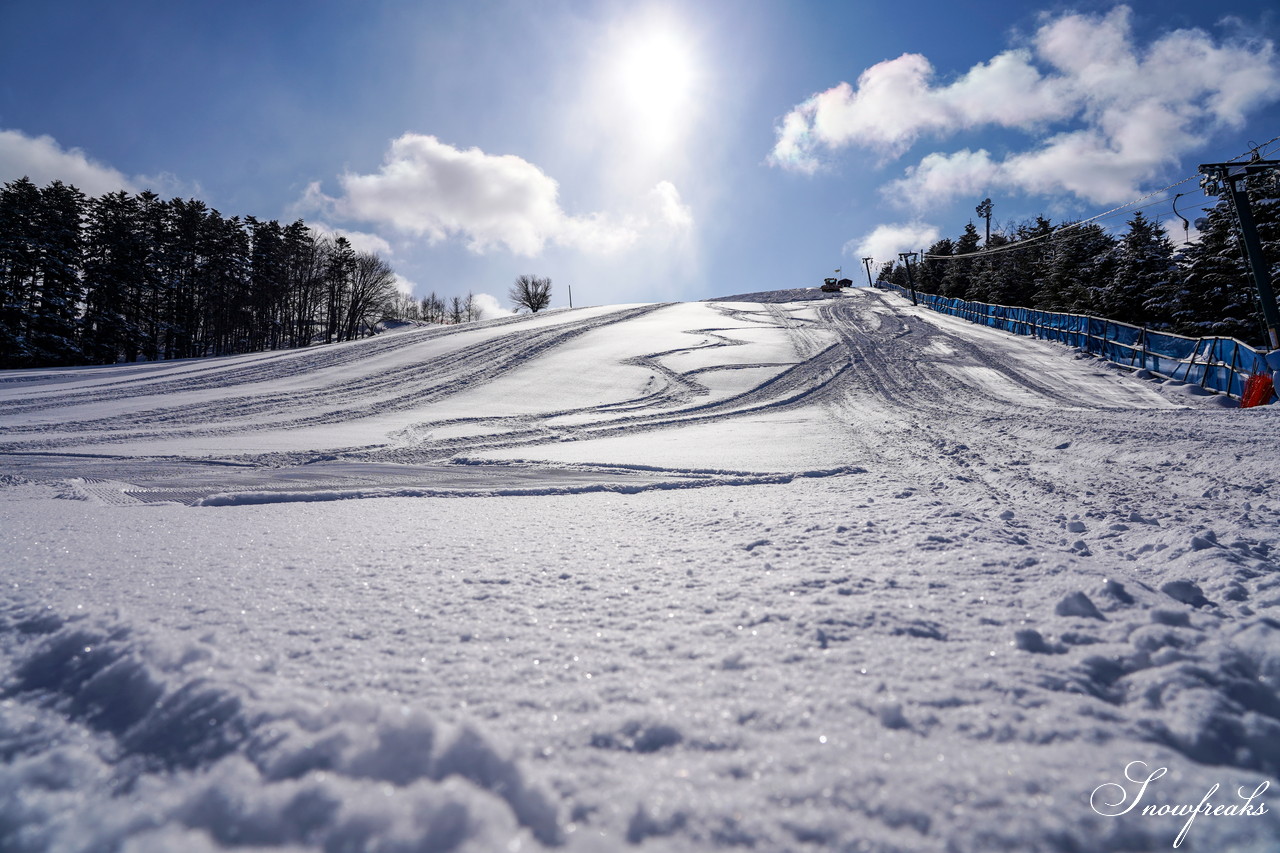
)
(183, 312)
(125, 276)
(1017, 272)
(54, 316)
(885, 272)
(1217, 296)
(148, 293)
(268, 281)
(224, 283)
(305, 272)
(20, 207)
(339, 268)
(1080, 259)
(932, 273)
(958, 277)
(114, 261)
(1144, 270)
(987, 282)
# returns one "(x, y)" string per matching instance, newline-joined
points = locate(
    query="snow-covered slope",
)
(827, 575)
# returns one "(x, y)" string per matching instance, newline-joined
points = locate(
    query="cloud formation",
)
(886, 241)
(1104, 114)
(361, 241)
(428, 188)
(489, 306)
(43, 160)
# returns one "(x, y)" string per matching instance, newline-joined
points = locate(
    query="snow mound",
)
(109, 744)
(772, 297)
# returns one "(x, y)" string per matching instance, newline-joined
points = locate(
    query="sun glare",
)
(655, 74)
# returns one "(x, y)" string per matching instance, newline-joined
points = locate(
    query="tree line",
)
(1198, 289)
(434, 309)
(530, 292)
(126, 276)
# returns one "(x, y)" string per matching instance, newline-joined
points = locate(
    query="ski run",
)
(836, 574)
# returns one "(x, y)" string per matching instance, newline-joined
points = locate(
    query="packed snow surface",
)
(825, 575)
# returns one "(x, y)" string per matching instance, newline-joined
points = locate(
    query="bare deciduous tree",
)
(433, 309)
(372, 285)
(530, 291)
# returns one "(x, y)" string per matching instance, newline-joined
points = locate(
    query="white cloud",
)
(43, 160)
(940, 176)
(886, 241)
(361, 241)
(1105, 115)
(670, 210)
(490, 307)
(403, 284)
(428, 188)
(895, 103)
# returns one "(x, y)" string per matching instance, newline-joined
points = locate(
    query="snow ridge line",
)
(145, 737)
(204, 373)
(408, 387)
(680, 386)
(254, 498)
(803, 384)
(800, 383)
(656, 469)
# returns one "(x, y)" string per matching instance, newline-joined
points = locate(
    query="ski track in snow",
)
(832, 575)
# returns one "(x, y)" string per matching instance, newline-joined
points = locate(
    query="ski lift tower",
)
(1220, 178)
(907, 258)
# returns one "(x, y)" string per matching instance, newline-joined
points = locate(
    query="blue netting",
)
(1219, 364)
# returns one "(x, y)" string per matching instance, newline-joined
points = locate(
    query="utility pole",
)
(1217, 178)
(907, 258)
(984, 210)
(571, 296)
(866, 262)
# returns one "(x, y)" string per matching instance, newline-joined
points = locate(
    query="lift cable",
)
(1254, 151)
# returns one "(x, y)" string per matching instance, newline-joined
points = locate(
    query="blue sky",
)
(635, 151)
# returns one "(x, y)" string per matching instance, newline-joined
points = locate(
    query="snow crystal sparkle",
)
(1107, 808)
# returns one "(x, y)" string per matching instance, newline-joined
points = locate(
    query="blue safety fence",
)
(1217, 364)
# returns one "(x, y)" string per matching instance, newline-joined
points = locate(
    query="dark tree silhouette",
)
(532, 292)
(125, 276)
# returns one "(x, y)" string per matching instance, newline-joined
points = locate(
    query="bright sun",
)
(654, 77)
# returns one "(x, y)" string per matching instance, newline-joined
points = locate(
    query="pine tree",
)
(1016, 273)
(114, 257)
(958, 278)
(184, 319)
(304, 271)
(339, 269)
(149, 291)
(1144, 270)
(932, 273)
(126, 276)
(268, 281)
(1080, 259)
(1218, 297)
(224, 281)
(987, 281)
(19, 269)
(54, 316)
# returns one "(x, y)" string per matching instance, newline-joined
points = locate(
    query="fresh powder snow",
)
(819, 574)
